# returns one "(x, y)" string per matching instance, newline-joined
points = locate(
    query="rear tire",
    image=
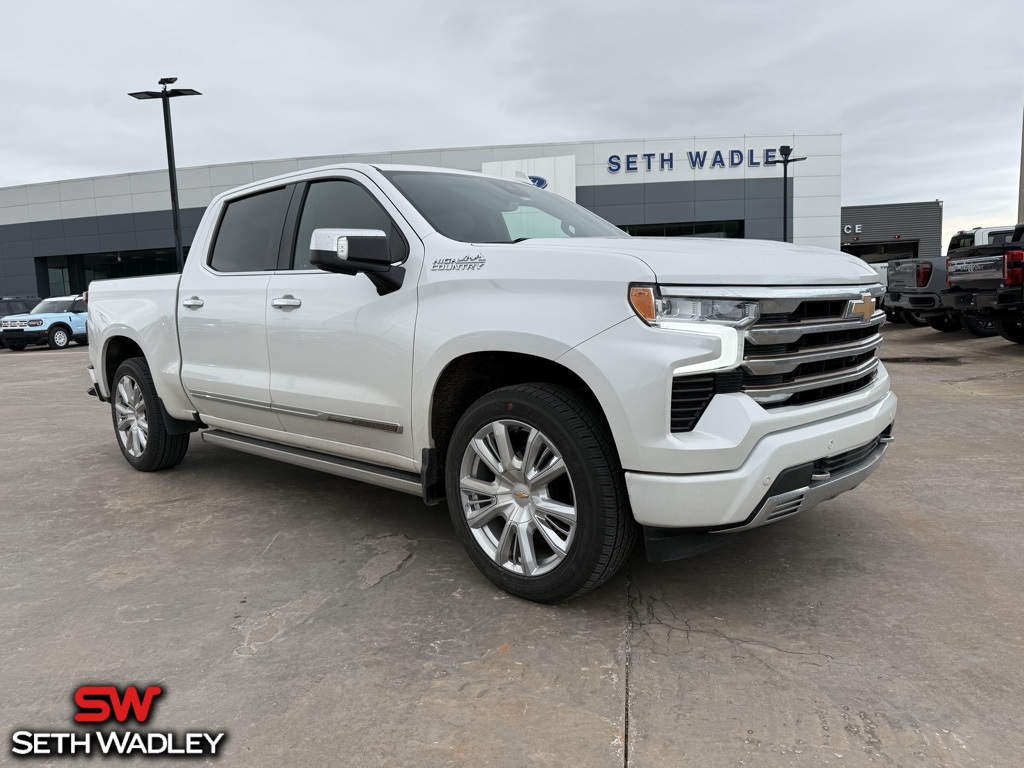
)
(982, 326)
(138, 421)
(914, 319)
(945, 323)
(1011, 330)
(536, 493)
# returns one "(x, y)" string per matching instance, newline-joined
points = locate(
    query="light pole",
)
(787, 157)
(166, 96)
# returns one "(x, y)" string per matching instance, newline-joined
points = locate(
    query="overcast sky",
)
(928, 95)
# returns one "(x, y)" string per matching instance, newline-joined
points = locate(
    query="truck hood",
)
(714, 261)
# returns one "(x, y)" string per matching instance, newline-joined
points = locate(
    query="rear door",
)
(340, 353)
(222, 314)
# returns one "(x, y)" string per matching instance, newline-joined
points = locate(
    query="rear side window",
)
(250, 233)
(1000, 236)
(964, 240)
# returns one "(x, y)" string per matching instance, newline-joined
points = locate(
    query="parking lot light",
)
(166, 95)
(787, 157)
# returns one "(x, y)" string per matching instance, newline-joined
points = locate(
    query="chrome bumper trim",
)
(790, 503)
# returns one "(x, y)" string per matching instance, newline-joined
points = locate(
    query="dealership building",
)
(56, 237)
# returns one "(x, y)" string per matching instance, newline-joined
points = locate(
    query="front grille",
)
(804, 348)
(13, 323)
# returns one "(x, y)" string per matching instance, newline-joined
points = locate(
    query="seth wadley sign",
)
(704, 158)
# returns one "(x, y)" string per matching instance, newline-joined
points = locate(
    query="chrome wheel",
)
(130, 415)
(518, 498)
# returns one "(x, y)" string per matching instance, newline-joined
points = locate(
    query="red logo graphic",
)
(97, 703)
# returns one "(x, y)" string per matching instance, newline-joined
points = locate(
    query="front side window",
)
(52, 306)
(337, 204)
(249, 233)
(478, 209)
(79, 306)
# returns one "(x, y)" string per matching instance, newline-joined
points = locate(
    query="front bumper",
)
(19, 336)
(762, 489)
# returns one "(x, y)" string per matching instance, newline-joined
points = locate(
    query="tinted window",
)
(964, 240)
(250, 230)
(1000, 236)
(476, 209)
(52, 306)
(18, 307)
(79, 306)
(342, 205)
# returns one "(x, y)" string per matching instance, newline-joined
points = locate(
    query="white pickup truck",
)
(476, 339)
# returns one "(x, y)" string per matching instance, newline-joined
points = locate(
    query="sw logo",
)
(97, 703)
(105, 703)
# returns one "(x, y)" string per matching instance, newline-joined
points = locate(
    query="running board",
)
(395, 479)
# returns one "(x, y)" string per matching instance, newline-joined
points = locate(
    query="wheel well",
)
(467, 378)
(119, 349)
(65, 326)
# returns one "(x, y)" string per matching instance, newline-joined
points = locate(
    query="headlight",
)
(671, 312)
(34, 323)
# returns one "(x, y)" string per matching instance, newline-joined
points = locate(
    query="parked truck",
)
(564, 387)
(988, 280)
(920, 289)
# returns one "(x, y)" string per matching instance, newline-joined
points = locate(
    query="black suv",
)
(16, 305)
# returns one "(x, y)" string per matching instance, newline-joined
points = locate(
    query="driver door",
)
(340, 354)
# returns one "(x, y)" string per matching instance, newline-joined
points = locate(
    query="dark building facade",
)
(879, 233)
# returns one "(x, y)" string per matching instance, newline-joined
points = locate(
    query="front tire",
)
(982, 326)
(138, 422)
(58, 338)
(536, 493)
(1011, 330)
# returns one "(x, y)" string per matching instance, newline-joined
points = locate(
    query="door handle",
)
(286, 302)
(194, 303)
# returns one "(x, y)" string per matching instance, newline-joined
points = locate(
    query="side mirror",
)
(351, 251)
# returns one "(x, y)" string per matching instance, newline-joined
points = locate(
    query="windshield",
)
(52, 306)
(477, 209)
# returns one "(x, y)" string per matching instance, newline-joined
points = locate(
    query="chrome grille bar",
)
(792, 332)
(812, 382)
(767, 365)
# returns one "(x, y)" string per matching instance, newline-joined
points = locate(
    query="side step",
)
(395, 479)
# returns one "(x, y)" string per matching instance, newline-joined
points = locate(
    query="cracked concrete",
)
(320, 621)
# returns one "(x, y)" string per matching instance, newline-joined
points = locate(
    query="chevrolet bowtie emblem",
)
(521, 495)
(864, 308)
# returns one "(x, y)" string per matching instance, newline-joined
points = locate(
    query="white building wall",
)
(816, 196)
